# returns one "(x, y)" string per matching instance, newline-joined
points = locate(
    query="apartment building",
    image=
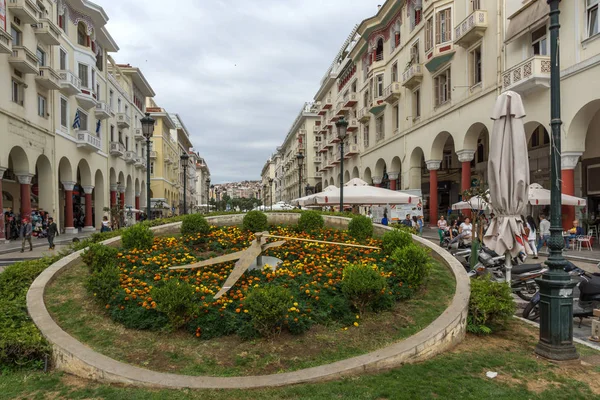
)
(418, 81)
(202, 184)
(268, 182)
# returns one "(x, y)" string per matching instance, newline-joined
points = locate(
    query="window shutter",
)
(438, 28)
(436, 90)
(449, 94)
(448, 35)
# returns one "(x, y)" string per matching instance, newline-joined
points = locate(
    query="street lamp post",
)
(342, 130)
(148, 130)
(184, 163)
(300, 158)
(306, 189)
(271, 192)
(264, 197)
(207, 195)
(556, 287)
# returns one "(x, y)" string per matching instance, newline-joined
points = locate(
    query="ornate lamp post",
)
(342, 132)
(300, 158)
(265, 196)
(271, 192)
(207, 195)
(184, 164)
(148, 131)
(556, 287)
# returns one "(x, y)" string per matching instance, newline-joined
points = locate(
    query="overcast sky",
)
(237, 71)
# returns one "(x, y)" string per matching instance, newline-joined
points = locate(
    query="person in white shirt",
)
(464, 231)
(531, 238)
(544, 232)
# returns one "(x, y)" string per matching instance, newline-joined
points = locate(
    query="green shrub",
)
(310, 221)
(255, 221)
(360, 227)
(194, 224)
(411, 265)
(138, 236)
(363, 285)
(267, 308)
(16, 278)
(490, 307)
(395, 239)
(104, 283)
(403, 228)
(97, 256)
(175, 299)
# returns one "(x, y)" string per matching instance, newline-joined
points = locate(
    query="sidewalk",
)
(584, 255)
(15, 245)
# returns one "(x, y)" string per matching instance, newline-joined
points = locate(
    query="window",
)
(112, 133)
(18, 92)
(443, 32)
(82, 37)
(442, 88)
(379, 50)
(110, 99)
(62, 57)
(151, 167)
(396, 117)
(64, 112)
(41, 55)
(539, 42)
(98, 92)
(17, 36)
(417, 104)
(366, 136)
(592, 17)
(415, 13)
(379, 87)
(127, 143)
(100, 59)
(447, 160)
(83, 119)
(395, 72)
(42, 106)
(93, 79)
(475, 5)
(119, 105)
(121, 137)
(379, 128)
(429, 34)
(475, 56)
(414, 53)
(83, 75)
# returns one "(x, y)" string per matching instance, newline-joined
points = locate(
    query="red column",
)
(88, 207)
(2, 233)
(137, 205)
(122, 200)
(393, 176)
(568, 187)
(25, 183)
(113, 196)
(69, 226)
(465, 157)
(433, 197)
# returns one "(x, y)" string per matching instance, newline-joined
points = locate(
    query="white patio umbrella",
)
(306, 200)
(538, 196)
(474, 203)
(356, 182)
(370, 195)
(508, 174)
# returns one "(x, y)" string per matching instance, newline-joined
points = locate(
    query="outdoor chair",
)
(593, 231)
(584, 239)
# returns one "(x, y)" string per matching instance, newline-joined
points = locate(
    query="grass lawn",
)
(459, 374)
(76, 312)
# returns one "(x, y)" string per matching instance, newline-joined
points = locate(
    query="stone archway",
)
(355, 173)
(43, 185)
(367, 176)
(66, 179)
(99, 199)
(20, 174)
(395, 173)
(380, 172)
(83, 197)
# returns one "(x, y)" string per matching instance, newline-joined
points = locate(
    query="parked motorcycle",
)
(586, 295)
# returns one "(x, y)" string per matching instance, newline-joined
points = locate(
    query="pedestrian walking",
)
(420, 224)
(26, 232)
(52, 232)
(532, 236)
(544, 232)
(442, 228)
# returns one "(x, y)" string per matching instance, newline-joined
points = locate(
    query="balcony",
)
(392, 92)
(301, 132)
(530, 75)
(318, 174)
(87, 98)
(352, 125)
(70, 84)
(24, 60)
(336, 161)
(138, 134)
(471, 29)
(317, 159)
(47, 32)
(350, 100)
(123, 120)
(323, 147)
(117, 149)
(139, 162)
(153, 155)
(103, 111)
(413, 76)
(364, 115)
(316, 129)
(439, 56)
(351, 150)
(5, 42)
(26, 10)
(48, 78)
(88, 141)
(329, 123)
(326, 105)
(341, 109)
(130, 157)
(324, 130)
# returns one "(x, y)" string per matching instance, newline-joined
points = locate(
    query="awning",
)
(526, 19)
(377, 109)
(437, 62)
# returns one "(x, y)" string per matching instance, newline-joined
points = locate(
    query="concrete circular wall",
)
(74, 357)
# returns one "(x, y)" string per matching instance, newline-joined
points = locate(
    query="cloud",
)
(236, 71)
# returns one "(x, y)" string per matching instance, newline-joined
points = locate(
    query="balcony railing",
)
(392, 92)
(5, 42)
(47, 32)
(153, 155)
(87, 98)
(88, 141)
(130, 157)
(48, 78)
(103, 111)
(531, 74)
(117, 149)
(352, 125)
(123, 120)
(413, 76)
(26, 10)
(364, 115)
(138, 134)
(70, 83)
(350, 99)
(471, 29)
(24, 60)
(351, 150)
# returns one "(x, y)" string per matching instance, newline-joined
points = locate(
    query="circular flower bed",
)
(315, 284)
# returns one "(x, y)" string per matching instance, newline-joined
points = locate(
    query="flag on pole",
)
(77, 122)
(98, 124)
